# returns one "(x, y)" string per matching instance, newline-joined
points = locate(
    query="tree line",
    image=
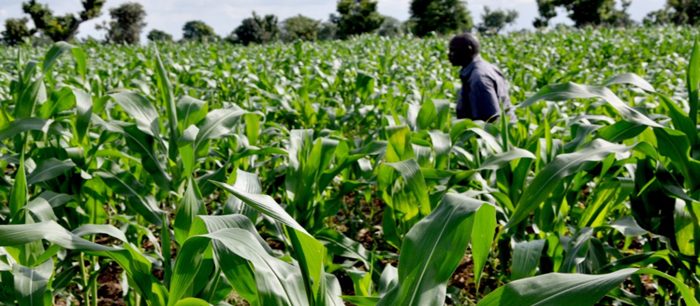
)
(352, 17)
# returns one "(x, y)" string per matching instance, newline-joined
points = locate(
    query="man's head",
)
(463, 49)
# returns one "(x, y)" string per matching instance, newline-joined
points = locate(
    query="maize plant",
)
(334, 173)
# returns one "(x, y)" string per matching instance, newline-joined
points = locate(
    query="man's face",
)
(457, 53)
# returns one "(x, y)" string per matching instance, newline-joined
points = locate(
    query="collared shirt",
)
(484, 91)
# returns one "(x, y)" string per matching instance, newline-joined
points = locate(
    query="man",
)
(484, 89)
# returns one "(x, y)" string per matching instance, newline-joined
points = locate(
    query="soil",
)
(110, 291)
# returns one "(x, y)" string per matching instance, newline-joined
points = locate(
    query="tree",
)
(494, 21)
(300, 27)
(259, 30)
(15, 31)
(678, 12)
(328, 31)
(391, 27)
(61, 28)
(198, 31)
(158, 35)
(585, 12)
(357, 17)
(441, 16)
(127, 23)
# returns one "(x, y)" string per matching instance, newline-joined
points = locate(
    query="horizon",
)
(225, 15)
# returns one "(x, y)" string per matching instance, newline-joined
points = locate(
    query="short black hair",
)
(468, 40)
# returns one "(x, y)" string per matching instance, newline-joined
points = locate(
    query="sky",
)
(225, 15)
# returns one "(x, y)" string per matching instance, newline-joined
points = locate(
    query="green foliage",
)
(357, 17)
(192, 174)
(328, 31)
(441, 16)
(258, 30)
(158, 35)
(16, 31)
(678, 12)
(61, 28)
(391, 27)
(196, 30)
(585, 12)
(127, 23)
(494, 21)
(300, 28)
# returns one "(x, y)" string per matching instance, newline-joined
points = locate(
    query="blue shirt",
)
(484, 91)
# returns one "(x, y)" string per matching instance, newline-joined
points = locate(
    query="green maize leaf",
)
(142, 110)
(526, 258)
(206, 187)
(31, 95)
(278, 282)
(192, 302)
(55, 199)
(39, 210)
(562, 166)
(49, 169)
(168, 99)
(142, 143)
(190, 206)
(431, 252)
(310, 254)
(126, 185)
(681, 121)
(683, 226)
(388, 280)
(442, 145)
(500, 160)
(577, 250)
(252, 127)
(80, 61)
(137, 267)
(329, 174)
(487, 138)
(244, 282)
(361, 281)
(693, 81)
(482, 238)
(628, 227)
(399, 146)
(31, 283)
(427, 115)
(567, 91)
(19, 192)
(361, 300)
(83, 111)
(56, 51)
(92, 229)
(571, 289)
(60, 101)
(186, 148)
(333, 291)
(22, 125)
(632, 79)
(308, 250)
(249, 183)
(190, 111)
(339, 244)
(265, 204)
(621, 131)
(415, 183)
(216, 124)
(675, 145)
(608, 194)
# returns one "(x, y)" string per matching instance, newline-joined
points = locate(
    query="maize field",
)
(336, 173)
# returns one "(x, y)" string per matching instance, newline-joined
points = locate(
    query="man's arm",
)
(485, 104)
